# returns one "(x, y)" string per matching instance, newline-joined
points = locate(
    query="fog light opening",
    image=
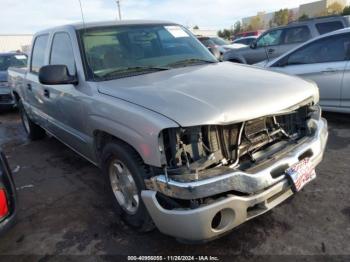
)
(222, 219)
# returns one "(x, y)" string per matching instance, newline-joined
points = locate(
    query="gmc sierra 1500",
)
(189, 144)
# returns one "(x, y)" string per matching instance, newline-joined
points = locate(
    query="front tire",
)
(33, 131)
(125, 171)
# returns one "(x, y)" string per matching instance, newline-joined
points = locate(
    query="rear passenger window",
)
(297, 35)
(324, 28)
(330, 49)
(38, 53)
(62, 52)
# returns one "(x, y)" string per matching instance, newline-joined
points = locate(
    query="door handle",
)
(329, 70)
(29, 86)
(271, 50)
(46, 93)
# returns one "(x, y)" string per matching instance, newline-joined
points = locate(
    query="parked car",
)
(12, 59)
(194, 146)
(217, 44)
(277, 41)
(7, 195)
(212, 47)
(324, 60)
(256, 33)
(245, 40)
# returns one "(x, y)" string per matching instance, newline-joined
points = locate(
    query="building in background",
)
(15, 42)
(267, 18)
(313, 9)
(318, 8)
(203, 32)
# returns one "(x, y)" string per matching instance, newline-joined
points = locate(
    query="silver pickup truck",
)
(188, 144)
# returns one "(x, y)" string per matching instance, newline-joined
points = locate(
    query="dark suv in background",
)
(10, 59)
(277, 41)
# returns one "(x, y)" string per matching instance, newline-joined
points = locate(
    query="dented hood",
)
(219, 93)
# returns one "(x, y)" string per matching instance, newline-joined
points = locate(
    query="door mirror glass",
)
(56, 75)
(253, 44)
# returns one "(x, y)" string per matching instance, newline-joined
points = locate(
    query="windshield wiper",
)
(191, 61)
(132, 70)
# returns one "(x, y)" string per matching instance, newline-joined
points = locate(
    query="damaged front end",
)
(217, 177)
(205, 161)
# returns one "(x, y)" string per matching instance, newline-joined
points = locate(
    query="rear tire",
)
(124, 172)
(34, 132)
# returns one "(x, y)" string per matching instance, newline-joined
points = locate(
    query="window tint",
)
(330, 49)
(62, 52)
(297, 35)
(324, 28)
(38, 54)
(270, 38)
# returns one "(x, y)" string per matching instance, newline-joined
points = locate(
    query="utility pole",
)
(119, 11)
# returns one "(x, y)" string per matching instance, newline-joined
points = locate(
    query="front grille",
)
(201, 147)
(5, 98)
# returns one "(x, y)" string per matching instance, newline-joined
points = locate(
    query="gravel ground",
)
(63, 208)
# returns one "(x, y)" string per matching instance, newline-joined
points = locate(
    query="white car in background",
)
(245, 41)
(324, 60)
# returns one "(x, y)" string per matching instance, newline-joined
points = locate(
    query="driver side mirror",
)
(56, 75)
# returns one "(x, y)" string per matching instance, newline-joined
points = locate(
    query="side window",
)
(38, 53)
(270, 38)
(297, 35)
(324, 28)
(330, 49)
(62, 52)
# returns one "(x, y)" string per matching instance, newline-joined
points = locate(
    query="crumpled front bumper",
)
(263, 193)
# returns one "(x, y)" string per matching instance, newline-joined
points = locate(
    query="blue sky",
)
(29, 16)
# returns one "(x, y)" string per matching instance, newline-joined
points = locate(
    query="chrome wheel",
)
(124, 187)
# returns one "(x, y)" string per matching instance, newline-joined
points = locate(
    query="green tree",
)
(256, 23)
(237, 27)
(346, 10)
(196, 27)
(303, 17)
(335, 9)
(281, 17)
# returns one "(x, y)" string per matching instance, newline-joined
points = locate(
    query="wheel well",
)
(101, 139)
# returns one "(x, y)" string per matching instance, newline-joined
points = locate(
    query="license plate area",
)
(301, 174)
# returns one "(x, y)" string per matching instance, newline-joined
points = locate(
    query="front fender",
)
(233, 56)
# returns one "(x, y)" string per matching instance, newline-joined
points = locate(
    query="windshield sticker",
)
(176, 31)
(20, 57)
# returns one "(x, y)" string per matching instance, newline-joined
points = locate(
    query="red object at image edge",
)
(3, 204)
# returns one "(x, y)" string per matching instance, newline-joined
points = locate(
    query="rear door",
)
(345, 97)
(291, 38)
(66, 103)
(324, 62)
(33, 89)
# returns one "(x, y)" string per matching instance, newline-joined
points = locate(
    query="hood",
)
(3, 76)
(219, 93)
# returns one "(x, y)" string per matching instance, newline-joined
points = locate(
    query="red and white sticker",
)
(301, 174)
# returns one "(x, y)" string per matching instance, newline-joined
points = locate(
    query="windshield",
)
(219, 41)
(122, 51)
(13, 60)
